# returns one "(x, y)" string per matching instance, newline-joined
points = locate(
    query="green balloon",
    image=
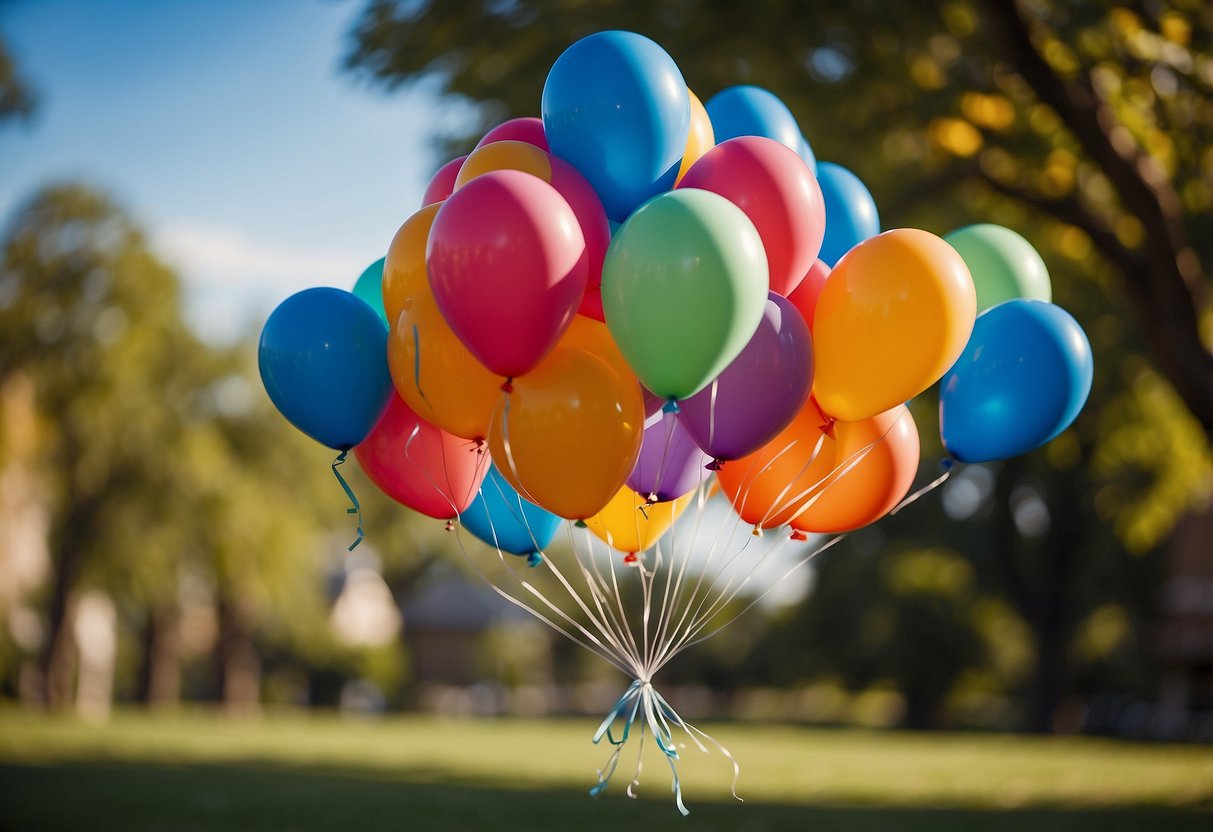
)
(684, 286)
(370, 288)
(1003, 264)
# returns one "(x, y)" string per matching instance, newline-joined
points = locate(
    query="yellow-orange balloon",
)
(404, 273)
(436, 375)
(884, 450)
(505, 155)
(630, 524)
(595, 338)
(568, 435)
(700, 139)
(893, 316)
(770, 485)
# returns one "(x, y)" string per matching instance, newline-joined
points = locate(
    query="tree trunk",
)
(239, 664)
(58, 658)
(160, 671)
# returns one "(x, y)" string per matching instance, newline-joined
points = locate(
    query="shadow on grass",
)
(150, 796)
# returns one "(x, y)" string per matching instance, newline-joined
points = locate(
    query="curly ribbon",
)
(349, 492)
(642, 698)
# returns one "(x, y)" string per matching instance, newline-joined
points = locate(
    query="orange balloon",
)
(436, 375)
(700, 139)
(595, 338)
(505, 155)
(894, 315)
(884, 450)
(770, 485)
(404, 273)
(568, 435)
(631, 524)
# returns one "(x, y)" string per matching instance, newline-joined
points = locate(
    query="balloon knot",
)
(450, 526)
(671, 406)
(652, 498)
(534, 559)
(631, 560)
(828, 427)
(715, 465)
(757, 531)
(508, 385)
(947, 462)
(797, 534)
(579, 524)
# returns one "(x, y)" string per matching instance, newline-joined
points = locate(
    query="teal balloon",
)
(502, 518)
(850, 212)
(1022, 379)
(370, 288)
(1004, 265)
(323, 361)
(684, 287)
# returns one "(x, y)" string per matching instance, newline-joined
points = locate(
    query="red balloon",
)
(804, 296)
(506, 261)
(529, 130)
(421, 466)
(442, 183)
(773, 186)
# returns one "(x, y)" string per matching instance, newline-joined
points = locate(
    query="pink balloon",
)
(592, 218)
(529, 130)
(773, 186)
(442, 183)
(419, 465)
(506, 261)
(804, 296)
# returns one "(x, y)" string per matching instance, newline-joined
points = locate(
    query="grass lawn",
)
(197, 771)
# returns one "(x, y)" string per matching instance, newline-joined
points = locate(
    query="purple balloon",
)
(670, 463)
(759, 394)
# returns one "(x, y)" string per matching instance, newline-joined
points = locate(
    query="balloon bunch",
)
(595, 312)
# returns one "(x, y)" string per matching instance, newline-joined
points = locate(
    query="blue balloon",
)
(1021, 380)
(752, 111)
(616, 107)
(323, 360)
(850, 212)
(370, 288)
(807, 154)
(501, 518)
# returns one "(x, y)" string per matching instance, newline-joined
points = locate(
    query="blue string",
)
(627, 708)
(349, 492)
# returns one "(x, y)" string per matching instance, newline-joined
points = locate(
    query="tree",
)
(17, 99)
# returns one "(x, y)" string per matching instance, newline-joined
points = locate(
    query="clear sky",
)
(228, 129)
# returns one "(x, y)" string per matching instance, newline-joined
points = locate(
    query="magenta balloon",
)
(670, 463)
(442, 182)
(759, 394)
(506, 261)
(528, 129)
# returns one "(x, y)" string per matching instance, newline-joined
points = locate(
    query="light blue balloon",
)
(370, 288)
(501, 518)
(1021, 380)
(616, 107)
(850, 212)
(806, 153)
(323, 361)
(752, 111)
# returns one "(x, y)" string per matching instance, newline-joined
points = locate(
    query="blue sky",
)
(228, 129)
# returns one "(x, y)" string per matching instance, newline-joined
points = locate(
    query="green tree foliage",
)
(1086, 126)
(17, 99)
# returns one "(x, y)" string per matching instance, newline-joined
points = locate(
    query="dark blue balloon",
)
(1021, 380)
(501, 518)
(752, 111)
(323, 360)
(616, 107)
(850, 212)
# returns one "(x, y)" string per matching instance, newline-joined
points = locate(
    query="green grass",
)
(197, 771)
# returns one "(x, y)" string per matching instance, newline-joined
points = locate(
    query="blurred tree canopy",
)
(1087, 125)
(16, 96)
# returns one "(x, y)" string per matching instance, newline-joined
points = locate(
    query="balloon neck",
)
(479, 444)
(947, 462)
(507, 386)
(757, 531)
(828, 426)
(631, 560)
(579, 524)
(449, 527)
(671, 406)
(534, 559)
(715, 465)
(652, 498)
(797, 534)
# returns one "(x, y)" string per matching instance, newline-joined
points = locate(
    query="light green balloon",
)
(1003, 264)
(370, 288)
(684, 286)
